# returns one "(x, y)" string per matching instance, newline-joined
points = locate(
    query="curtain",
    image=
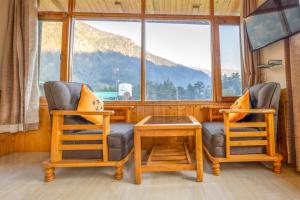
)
(19, 100)
(293, 112)
(250, 72)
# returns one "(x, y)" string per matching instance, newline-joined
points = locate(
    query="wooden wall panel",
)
(141, 111)
(32, 141)
(35, 141)
(6, 144)
(39, 140)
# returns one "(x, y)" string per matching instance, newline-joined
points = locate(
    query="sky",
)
(186, 44)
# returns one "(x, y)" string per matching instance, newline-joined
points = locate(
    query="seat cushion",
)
(120, 140)
(214, 140)
(120, 143)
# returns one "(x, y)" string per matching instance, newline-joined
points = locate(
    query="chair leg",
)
(277, 167)
(49, 173)
(216, 168)
(119, 172)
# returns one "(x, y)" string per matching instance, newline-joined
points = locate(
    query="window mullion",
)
(216, 71)
(143, 52)
(66, 44)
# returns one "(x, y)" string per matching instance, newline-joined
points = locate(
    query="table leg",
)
(190, 143)
(137, 157)
(199, 157)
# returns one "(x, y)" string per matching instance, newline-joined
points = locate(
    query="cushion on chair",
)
(90, 102)
(264, 96)
(214, 140)
(120, 142)
(64, 96)
(241, 103)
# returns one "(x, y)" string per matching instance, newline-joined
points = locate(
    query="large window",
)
(230, 48)
(178, 61)
(50, 52)
(106, 56)
(145, 51)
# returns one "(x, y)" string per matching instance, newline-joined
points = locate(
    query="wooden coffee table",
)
(171, 156)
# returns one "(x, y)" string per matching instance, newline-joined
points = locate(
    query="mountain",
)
(101, 58)
(88, 39)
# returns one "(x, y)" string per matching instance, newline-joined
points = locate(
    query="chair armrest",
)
(73, 112)
(216, 106)
(123, 113)
(250, 111)
(213, 111)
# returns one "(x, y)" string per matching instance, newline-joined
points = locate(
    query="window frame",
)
(224, 21)
(70, 16)
(114, 20)
(211, 67)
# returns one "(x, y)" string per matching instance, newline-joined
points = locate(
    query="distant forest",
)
(103, 71)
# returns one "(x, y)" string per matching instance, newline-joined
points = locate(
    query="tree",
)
(199, 88)
(231, 84)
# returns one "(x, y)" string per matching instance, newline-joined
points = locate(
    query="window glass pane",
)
(227, 7)
(177, 7)
(230, 48)
(106, 55)
(49, 52)
(108, 6)
(53, 5)
(178, 61)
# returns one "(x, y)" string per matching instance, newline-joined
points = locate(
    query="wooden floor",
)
(21, 177)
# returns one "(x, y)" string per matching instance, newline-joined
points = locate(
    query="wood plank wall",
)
(32, 141)
(39, 141)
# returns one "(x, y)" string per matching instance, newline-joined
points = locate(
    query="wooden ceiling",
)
(53, 5)
(108, 6)
(170, 7)
(227, 7)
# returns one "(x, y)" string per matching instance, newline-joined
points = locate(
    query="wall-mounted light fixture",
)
(271, 63)
(196, 8)
(119, 6)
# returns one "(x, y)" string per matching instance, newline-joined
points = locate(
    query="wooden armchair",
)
(249, 140)
(76, 142)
